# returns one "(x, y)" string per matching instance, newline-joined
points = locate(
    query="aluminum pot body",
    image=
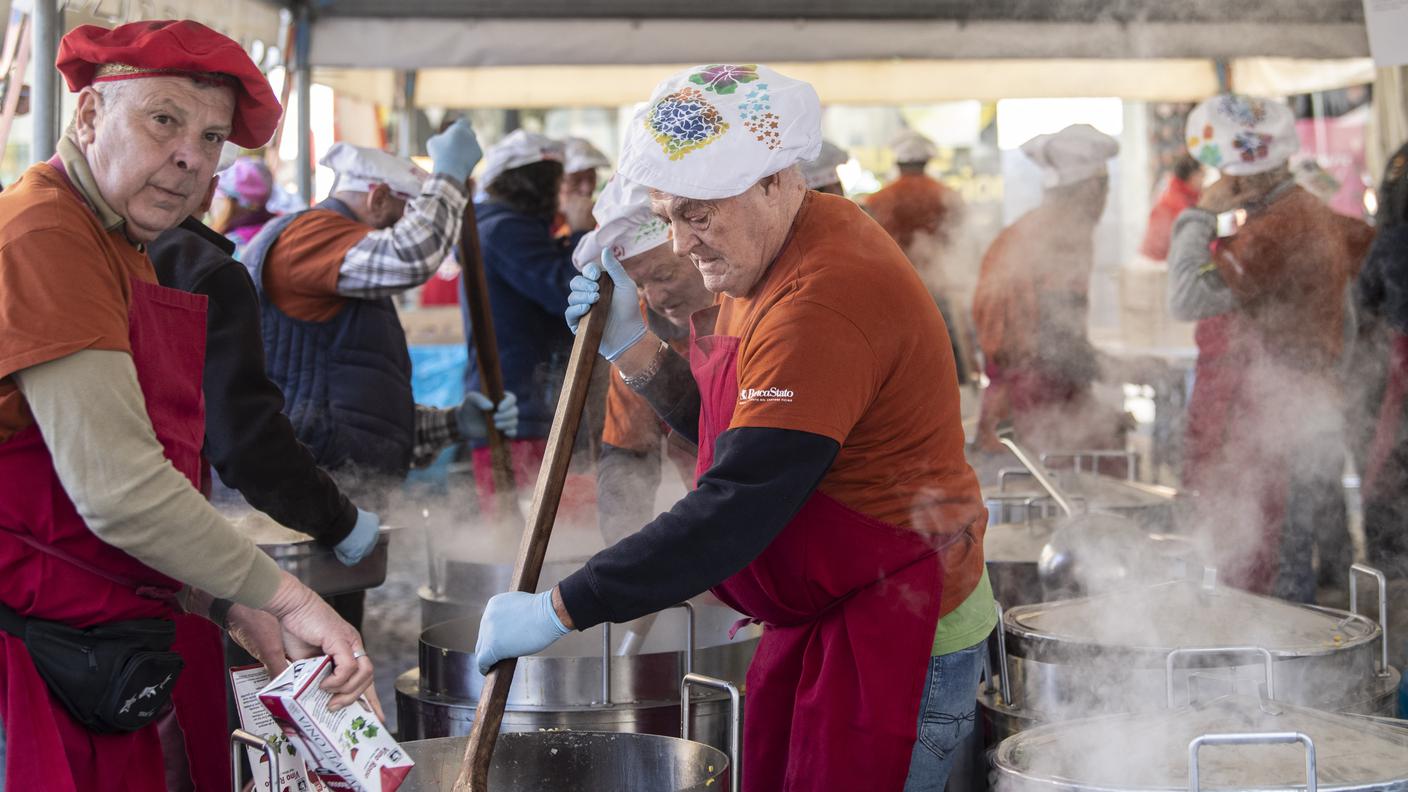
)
(574, 762)
(423, 715)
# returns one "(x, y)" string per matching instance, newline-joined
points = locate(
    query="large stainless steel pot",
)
(313, 564)
(460, 589)
(1236, 742)
(571, 761)
(1138, 648)
(581, 682)
(1017, 498)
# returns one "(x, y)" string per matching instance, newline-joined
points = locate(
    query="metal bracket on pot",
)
(735, 724)
(1004, 686)
(1252, 738)
(239, 739)
(606, 650)
(1006, 438)
(1131, 460)
(1383, 607)
(1214, 651)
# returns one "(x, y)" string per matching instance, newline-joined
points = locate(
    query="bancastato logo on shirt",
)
(764, 395)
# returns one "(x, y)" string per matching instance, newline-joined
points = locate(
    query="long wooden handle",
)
(488, 717)
(486, 352)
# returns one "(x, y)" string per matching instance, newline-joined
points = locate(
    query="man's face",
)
(153, 145)
(730, 240)
(669, 284)
(580, 183)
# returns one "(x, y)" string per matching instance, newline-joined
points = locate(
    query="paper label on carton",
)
(348, 749)
(256, 719)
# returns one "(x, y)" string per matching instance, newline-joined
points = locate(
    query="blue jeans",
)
(946, 717)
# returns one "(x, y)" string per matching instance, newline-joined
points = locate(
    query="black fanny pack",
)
(114, 677)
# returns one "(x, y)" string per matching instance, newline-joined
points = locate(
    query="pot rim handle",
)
(735, 725)
(1131, 460)
(607, 653)
(1004, 685)
(1365, 569)
(1252, 738)
(240, 739)
(1212, 651)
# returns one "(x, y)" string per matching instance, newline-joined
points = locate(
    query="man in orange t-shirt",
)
(833, 502)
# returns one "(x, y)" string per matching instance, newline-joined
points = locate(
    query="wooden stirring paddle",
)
(488, 717)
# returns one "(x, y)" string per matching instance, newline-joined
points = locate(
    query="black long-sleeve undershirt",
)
(674, 395)
(759, 480)
(248, 440)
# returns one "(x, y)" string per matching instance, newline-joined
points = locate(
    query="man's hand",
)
(469, 418)
(309, 623)
(516, 624)
(455, 151)
(259, 634)
(624, 324)
(361, 541)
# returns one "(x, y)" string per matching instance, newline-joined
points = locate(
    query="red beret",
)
(90, 54)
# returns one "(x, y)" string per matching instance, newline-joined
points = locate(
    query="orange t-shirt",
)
(65, 283)
(631, 423)
(841, 339)
(302, 266)
(911, 204)
(1043, 253)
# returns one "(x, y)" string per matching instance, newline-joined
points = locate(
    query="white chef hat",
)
(580, 155)
(519, 148)
(1242, 135)
(911, 147)
(625, 224)
(713, 131)
(1074, 154)
(822, 170)
(359, 169)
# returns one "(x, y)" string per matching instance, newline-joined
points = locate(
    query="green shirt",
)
(970, 623)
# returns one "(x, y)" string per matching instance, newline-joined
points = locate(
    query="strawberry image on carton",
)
(347, 750)
(293, 775)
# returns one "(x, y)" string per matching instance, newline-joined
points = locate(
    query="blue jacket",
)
(528, 273)
(347, 381)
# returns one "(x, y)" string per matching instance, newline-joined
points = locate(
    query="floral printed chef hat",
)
(625, 224)
(1242, 135)
(713, 131)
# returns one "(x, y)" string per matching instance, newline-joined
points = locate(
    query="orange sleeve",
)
(300, 274)
(808, 368)
(58, 294)
(630, 422)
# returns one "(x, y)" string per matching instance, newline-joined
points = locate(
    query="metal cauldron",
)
(1235, 742)
(571, 761)
(315, 565)
(1146, 648)
(581, 683)
(460, 589)
(1018, 497)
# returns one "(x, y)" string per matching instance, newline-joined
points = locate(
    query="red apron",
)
(1388, 428)
(1224, 399)
(81, 581)
(849, 606)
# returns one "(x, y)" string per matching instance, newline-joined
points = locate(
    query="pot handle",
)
(240, 739)
(1361, 569)
(1131, 460)
(1252, 738)
(1004, 686)
(1214, 651)
(606, 652)
(1006, 473)
(735, 712)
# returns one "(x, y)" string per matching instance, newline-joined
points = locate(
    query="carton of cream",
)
(293, 775)
(347, 750)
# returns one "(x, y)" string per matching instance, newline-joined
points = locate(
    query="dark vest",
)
(347, 381)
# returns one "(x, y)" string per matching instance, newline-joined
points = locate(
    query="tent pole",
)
(406, 133)
(44, 106)
(305, 99)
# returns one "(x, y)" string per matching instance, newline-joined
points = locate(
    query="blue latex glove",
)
(352, 549)
(624, 324)
(516, 624)
(455, 151)
(470, 416)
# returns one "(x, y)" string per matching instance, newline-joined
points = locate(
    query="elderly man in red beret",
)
(106, 542)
